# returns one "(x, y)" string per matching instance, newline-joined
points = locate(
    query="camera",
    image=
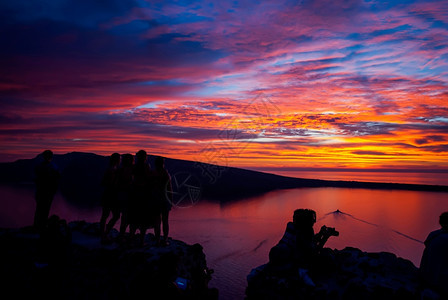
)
(330, 231)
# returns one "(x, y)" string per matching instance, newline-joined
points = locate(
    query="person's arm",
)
(322, 237)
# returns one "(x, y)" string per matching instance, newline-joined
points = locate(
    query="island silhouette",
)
(81, 175)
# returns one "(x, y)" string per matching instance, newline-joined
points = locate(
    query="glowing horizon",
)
(261, 85)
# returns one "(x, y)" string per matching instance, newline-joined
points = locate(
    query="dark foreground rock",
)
(353, 275)
(69, 262)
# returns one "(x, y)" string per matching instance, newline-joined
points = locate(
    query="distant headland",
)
(82, 172)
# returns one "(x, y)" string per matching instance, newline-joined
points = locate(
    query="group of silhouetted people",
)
(139, 195)
(133, 192)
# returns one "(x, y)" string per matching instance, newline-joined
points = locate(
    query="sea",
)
(237, 236)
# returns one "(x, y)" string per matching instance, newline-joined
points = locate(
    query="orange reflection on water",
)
(372, 220)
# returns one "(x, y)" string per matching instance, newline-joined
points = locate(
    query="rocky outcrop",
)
(69, 262)
(352, 274)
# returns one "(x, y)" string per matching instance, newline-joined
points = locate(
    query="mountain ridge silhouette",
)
(82, 173)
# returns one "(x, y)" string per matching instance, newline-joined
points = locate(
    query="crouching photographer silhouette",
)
(300, 249)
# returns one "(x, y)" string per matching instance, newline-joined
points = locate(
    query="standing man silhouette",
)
(125, 180)
(47, 180)
(434, 261)
(162, 195)
(141, 214)
(109, 200)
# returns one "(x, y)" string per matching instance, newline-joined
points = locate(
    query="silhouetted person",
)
(141, 214)
(162, 195)
(434, 262)
(109, 200)
(47, 180)
(300, 250)
(125, 178)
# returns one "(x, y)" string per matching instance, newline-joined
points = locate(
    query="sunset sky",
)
(267, 85)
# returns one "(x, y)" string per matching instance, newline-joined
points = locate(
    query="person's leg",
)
(113, 220)
(132, 230)
(134, 238)
(104, 215)
(165, 224)
(123, 223)
(142, 235)
(46, 208)
(38, 213)
(157, 225)
(43, 203)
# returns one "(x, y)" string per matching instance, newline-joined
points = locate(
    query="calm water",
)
(237, 237)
